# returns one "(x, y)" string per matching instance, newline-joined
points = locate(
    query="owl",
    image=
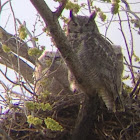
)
(51, 74)
(101, 62)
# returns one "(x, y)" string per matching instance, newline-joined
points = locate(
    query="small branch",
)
(135, 88)
(12, 93)
(133, 13)
(130, 68)
(61, 8)
(1, 6)
(131, 65)
(28, 32)
(127, 48)
(16, 83)
(89, 8)
(108, 25)
(129, 10)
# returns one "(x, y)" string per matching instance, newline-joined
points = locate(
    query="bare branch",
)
(16, 83)
(1, 6)
(132, 66)
(89, 8)
(127, 48)
(129, 10)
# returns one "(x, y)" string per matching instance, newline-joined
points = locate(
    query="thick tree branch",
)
(11, 61)
(12, 43)
(86, 119)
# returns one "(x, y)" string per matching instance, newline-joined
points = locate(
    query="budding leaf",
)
(5, 48)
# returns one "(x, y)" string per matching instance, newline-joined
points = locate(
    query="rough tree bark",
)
(87, 116)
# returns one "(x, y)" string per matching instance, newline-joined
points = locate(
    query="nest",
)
(108, 126)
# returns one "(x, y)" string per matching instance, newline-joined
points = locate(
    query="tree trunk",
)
(86, 118)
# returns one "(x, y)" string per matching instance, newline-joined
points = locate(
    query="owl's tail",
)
(108, 100)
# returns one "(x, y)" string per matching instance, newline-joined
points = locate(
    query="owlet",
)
(51, 74)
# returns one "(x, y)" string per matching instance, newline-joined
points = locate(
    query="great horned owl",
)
(51, 74)
(101, 62)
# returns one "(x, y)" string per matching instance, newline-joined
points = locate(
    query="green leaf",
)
(73, 6)
(102, 16)
(34, 120)
(53, 125)
(34, 52)
(5, 48)
(22, 32)
(30, 105)
(115, 8)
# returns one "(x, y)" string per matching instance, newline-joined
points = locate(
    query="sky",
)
(24, 11)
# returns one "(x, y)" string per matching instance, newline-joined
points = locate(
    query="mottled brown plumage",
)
(102, 63)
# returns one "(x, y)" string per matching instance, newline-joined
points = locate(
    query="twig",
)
(108, 26)
(129, 10)
(61, 8)
(17, 43)
(126, 44)
(28, 32)
(1, 6)
(17, 83)
(131, 65)
(89, 8)
(131, 35)
(135, 88)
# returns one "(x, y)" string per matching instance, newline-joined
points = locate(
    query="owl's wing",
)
(109, 91)
(100, 64)
(110, 75)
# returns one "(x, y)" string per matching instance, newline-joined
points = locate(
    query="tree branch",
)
(9, 40)
(11, 61)
(129, 10)
(61, 8)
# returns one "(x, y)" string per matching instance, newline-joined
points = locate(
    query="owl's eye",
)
(47, 57)
(74, 24)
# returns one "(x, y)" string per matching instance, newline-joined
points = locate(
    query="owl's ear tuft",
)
(71, 14)
(92, 16)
